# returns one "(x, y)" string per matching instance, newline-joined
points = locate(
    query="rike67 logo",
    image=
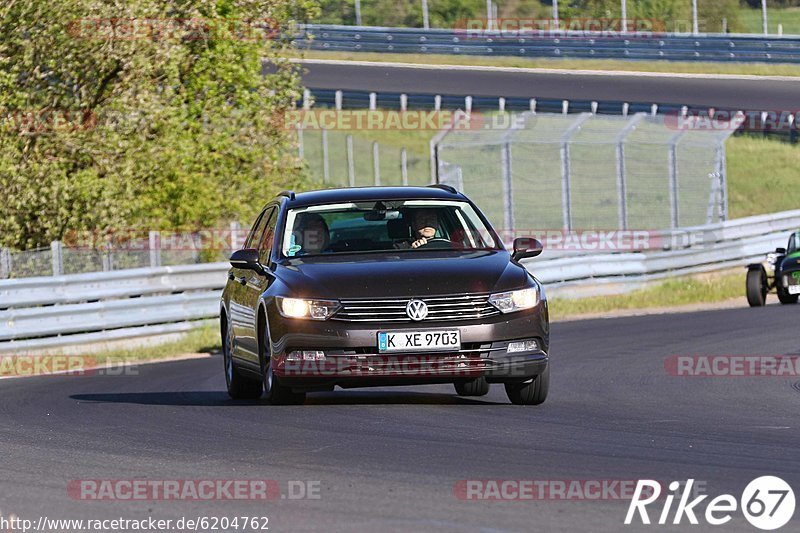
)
(767, 503)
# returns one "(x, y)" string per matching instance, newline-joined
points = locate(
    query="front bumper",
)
(351, 357)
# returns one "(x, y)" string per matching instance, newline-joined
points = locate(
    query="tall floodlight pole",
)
(695, 29)
(425, 23)
(764, 17)
(358, 12)
(624, 16)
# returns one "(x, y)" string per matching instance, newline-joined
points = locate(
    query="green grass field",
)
(687, 290)
(788, 17)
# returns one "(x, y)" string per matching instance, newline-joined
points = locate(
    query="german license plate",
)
(794, 289)
(418, 341)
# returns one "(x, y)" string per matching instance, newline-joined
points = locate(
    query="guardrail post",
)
(468, 104)
(155, 248)
(501, 104)
(404, 165)
(337, 100)
(351, 165)
(564, 107)
(376, 163)
(326, 171)
(56, 247)
(5, 263)
(437, 102)
(358, 12)
(306, 99)
(532, 105)
(403, 102)
(373, 101)
(425, 21)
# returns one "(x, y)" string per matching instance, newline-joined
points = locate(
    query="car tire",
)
(785, 298)
(533, 392)
(474, 387)
(274, 391)
(239, 387)
(756, 287)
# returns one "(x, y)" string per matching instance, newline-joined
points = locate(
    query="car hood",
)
(402, 274)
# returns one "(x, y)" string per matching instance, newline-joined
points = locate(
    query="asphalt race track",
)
(733, 92)
(390, 458)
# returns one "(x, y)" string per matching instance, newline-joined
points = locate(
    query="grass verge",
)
(752, 69)
(204, 339)
(681, 291)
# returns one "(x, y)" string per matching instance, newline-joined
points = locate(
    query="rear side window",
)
(256, 230)
(268, 236)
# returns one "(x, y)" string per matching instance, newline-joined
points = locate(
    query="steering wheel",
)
(437, 242)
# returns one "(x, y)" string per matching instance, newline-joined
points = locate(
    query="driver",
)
(311, 234)
(424, 223)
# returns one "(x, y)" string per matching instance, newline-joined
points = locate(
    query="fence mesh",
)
(587, 171)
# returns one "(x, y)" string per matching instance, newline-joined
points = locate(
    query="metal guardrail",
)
(74, 310)
(669, 47)
(57, 311)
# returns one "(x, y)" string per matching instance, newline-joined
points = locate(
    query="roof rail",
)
(448, 188)
(288, 194)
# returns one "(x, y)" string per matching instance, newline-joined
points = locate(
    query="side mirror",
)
(525, 247)
(247, 259)
(780, 250)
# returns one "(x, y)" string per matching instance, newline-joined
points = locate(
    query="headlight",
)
(508, 302)
(772, 258)
(301, 308)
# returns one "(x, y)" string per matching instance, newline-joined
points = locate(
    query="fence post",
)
(508, 194)
(300, 147)
(57, 248)
(155, 248)
(622, 189)
(376, 164)
(5, 263)
(722, 166)
(404, 165)
(566, 193)
(351, 165)
(235, 230)
(326, 171)
(672, 166)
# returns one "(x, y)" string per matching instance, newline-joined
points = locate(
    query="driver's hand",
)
(419, 242)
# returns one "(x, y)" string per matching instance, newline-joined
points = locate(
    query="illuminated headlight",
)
(301, 308)
(508, 302)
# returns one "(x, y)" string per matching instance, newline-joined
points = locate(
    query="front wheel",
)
(533, 392)
(275, 392)
(757, 288)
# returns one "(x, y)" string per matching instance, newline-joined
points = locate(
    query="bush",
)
(162, 129)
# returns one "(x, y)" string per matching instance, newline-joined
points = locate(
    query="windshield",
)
(383, 226)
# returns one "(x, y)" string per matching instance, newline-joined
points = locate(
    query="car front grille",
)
(441, 308)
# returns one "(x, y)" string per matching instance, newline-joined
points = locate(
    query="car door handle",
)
(231, 276)
(243, 280)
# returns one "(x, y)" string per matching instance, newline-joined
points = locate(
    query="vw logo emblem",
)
(417, 310)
